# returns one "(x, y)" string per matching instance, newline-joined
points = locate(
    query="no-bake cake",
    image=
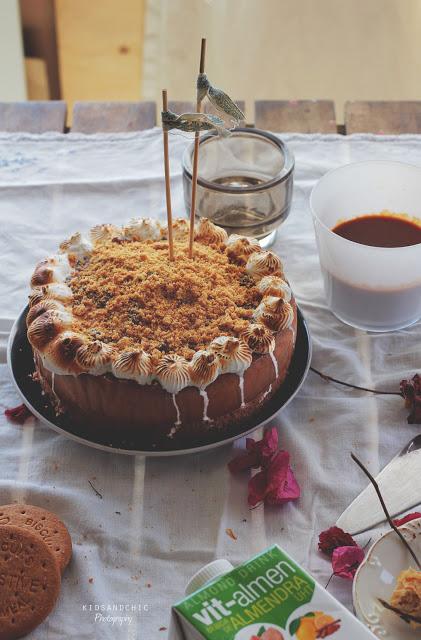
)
(125, 339)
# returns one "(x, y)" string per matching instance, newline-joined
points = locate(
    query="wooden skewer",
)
(196, 157)
(167, 181)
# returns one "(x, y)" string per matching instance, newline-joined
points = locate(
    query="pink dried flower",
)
(346, 560)
(274, 484)
(259, 452)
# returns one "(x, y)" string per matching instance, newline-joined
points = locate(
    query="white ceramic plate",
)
(376, 578)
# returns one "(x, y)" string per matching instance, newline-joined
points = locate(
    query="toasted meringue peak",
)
(60, 354)
(259, 338)
(239, 248)
(37, 295)
(47, 326)
(133, 365)
(287, 314)
(274, 313)
(172, 372)
(264, 264)
(143, 229)
(204, 368)
(54, 269)
(78, 246)
(43, 274)
(180, 229)
(234, 355)
(272, 304)
(102, 232)
(275, 286)
(54, 291)
(95, 357)
(208, 232)
(42, 307)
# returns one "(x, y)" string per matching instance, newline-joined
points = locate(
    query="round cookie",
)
(29, 582)
(42, 523)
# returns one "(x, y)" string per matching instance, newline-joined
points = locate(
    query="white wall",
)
(12, 72)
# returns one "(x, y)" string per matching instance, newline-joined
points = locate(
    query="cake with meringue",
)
(124, 339)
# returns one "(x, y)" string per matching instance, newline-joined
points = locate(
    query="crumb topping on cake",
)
(130, 295)
(111, 303)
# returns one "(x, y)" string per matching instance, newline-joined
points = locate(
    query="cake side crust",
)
(101, 403)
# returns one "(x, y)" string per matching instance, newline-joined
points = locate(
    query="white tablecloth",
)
(159, 520)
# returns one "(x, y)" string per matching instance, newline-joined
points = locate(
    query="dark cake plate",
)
(21, 363)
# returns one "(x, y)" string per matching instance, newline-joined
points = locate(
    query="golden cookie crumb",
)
(130, 295)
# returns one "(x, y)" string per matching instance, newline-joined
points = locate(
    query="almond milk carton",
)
(267, 598)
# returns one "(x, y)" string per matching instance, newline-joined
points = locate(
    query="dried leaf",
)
(411, 391)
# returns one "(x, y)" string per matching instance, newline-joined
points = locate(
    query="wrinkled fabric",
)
(160, 520)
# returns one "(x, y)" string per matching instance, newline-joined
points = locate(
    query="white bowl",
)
(371, 288)
(376, 578)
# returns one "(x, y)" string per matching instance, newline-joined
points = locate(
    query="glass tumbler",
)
(371, 288)
(245, 182)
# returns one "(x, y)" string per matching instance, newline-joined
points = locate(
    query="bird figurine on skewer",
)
(193, 122)
(220, 100)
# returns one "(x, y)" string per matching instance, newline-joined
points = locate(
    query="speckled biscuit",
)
(44, 524)
(29, 582)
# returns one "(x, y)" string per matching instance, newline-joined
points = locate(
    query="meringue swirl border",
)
(65, 352)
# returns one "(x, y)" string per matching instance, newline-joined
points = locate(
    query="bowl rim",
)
(343, 167)
(372, 548)
(288, 168)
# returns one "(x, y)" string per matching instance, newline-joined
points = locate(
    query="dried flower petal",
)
(18, 414)
(244, 461)
(334, 537)
(259, 452)
(282, 485)
(346, 560)
(409, 516)
(266, 447)
(275, 484)
(257, 489)
(411, 391)
(288, 490)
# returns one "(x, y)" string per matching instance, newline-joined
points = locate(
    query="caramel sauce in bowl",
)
(370, 253)
(385, 229)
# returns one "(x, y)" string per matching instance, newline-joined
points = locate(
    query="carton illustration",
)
(267, 598)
